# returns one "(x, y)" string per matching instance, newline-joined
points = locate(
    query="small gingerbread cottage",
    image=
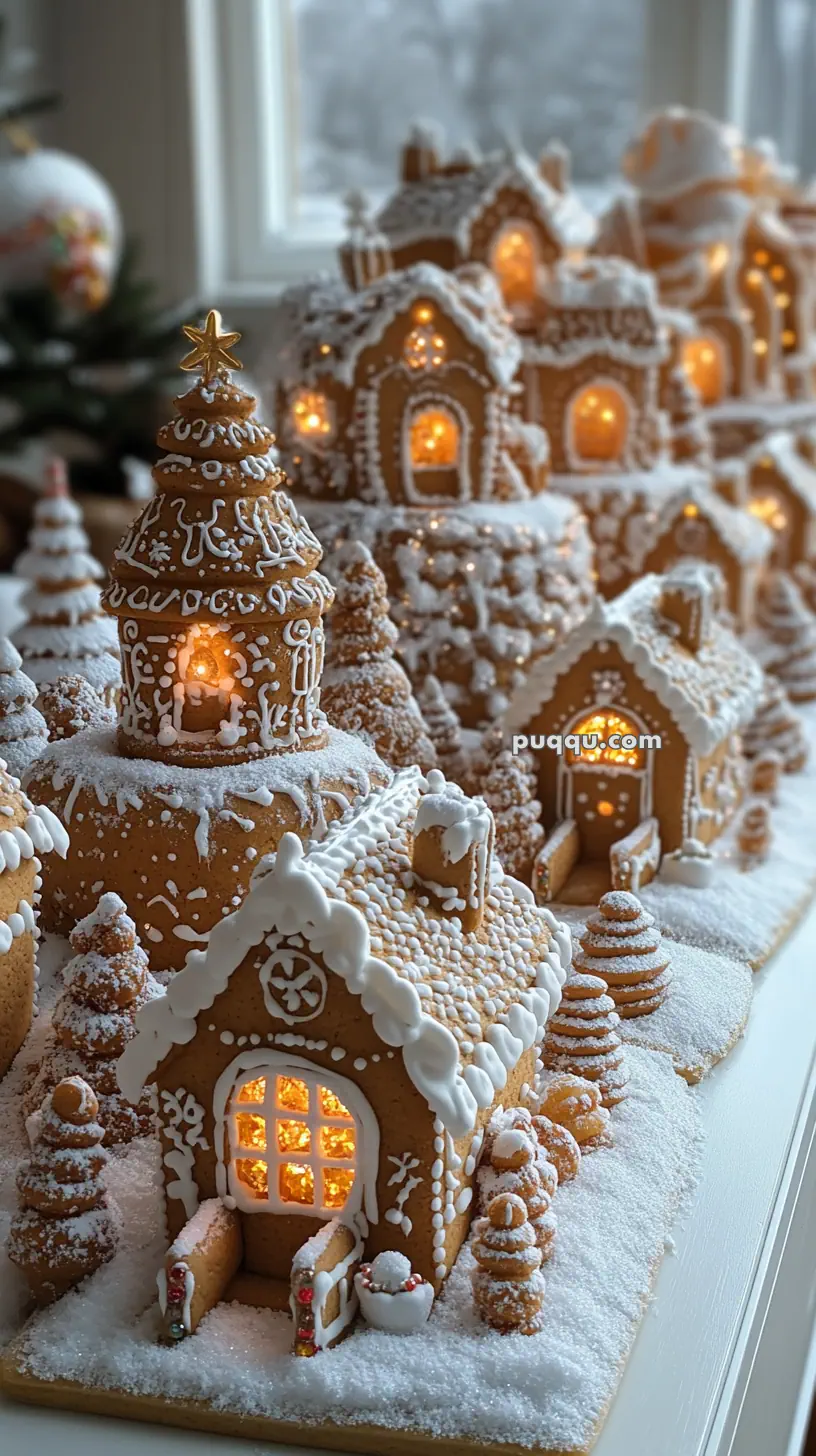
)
(657, 669)
(782, 494)
(27, 834)
(334, 1055)
(399, 391)
(592, 370)
(504, 211)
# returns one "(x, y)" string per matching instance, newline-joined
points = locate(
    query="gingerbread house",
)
(333, 1058)
(27, 834)
(782, 494)
(659, 670)
(394, 407)
(592, 370)
(698, 524)
(504, 211)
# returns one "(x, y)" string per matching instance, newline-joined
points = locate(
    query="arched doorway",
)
(598, 424)
(605, 786)
(703, 359)
(514, 261)
(435, 449)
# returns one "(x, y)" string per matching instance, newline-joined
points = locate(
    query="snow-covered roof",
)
(328, 325)
(780, 448)
(602, 305)
(462, 1007)
(709, 694)
(678, 149)
(746, 537)
(446, 205)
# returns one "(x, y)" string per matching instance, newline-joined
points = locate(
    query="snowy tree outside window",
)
(485, 70)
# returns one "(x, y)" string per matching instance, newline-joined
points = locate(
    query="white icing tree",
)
(791, 627)
(441, 721)
(509, 789)
(690, 435)
(105, 985)
(365, 690)
(776, 727)
(23, 731)
(66, 630)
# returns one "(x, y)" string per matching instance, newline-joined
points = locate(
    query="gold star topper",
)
(211, 349)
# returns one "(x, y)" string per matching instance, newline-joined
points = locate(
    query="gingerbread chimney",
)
(554, 165)
(420, 154)
(453, 847)
(365, 255)
(689, 601)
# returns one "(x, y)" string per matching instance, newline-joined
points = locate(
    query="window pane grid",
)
(309, 1167)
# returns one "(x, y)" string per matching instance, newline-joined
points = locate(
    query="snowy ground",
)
(548, 1390)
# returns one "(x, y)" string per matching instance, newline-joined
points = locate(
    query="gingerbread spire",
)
(582, 1037)
(791, 627)
(217, 588)
(508, 1287)
(23, 731)
(622, 945)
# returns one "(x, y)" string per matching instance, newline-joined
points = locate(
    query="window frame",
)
(242, 85)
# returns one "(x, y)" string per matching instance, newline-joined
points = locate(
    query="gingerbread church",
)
(335, 1091)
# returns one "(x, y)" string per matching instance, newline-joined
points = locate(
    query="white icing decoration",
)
(407, 1181)
(183, 1125)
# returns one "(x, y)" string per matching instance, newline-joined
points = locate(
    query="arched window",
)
(434, 439)
(599, 421)
(704, 365)
(514, 260)
(600, 726)
(293, 1144)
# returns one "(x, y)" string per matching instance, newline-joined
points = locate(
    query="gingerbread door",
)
(605, 803)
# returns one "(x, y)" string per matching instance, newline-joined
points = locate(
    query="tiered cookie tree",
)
(220, 744)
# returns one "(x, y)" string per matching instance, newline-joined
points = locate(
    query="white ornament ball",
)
(47, 198)
(390, 1269)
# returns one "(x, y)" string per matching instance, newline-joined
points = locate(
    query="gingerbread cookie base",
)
(180, 844)
(596, 1291)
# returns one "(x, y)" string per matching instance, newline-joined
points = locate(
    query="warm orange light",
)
(777, 272)
(605, 808)
(602, 725)
(251, 1130)
(760, 346)
(337, 1183)
(331, 1106)
(717, 257)
(254, 1175)
(702, 360)
(337, 1142)
(292, 1094)
(311, 415)
(296, 1183)
(768, 508)
(293, 1137)
(424, 350)
(423, 313)
(254, 1091)
(754, 277)
(789, 338)
(782, 300)
(599, 423)
(762, 257)
(434, 439)
(691, 509)
(203, 665)
(514, 261)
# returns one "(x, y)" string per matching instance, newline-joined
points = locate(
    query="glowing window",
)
(425, 346)
(769, 508)
(704, 365)
(294, 1145)
(434, 439)
(311, 417)
(600, 726)
(600, 422)
(514, 261)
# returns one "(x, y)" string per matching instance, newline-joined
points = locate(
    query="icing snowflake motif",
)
(183, 1124)
(294, 985)
(406, 1180)
(159, 552)
(608, 685)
